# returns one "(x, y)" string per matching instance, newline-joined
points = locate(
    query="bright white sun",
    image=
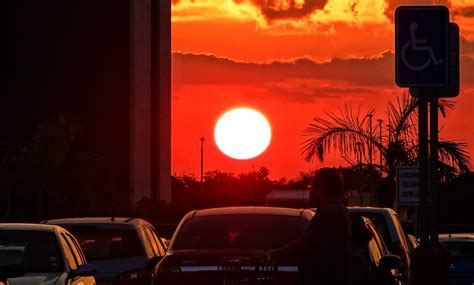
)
(242, 133)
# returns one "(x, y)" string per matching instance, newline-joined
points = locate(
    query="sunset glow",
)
(293, 60)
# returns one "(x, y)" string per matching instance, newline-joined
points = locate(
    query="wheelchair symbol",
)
(417, 45)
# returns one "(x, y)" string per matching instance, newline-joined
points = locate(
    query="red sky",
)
(293, 60)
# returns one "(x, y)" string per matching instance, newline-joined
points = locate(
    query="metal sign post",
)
(425, 52)
(427, 61)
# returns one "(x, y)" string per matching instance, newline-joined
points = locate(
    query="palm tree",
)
(397, 143)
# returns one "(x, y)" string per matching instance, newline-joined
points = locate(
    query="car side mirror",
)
(153, 262)
(84, 270)
(389, 262)
(11, 271)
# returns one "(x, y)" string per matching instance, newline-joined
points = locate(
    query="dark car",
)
(461, 250)
(42, 254)
(123, 249)
(215, 246)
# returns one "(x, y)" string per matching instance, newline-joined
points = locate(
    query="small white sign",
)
(408, 185)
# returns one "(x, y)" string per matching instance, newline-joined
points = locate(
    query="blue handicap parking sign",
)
(421, 46)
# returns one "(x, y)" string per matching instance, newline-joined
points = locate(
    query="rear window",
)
(239, 232)
(37, 251)
(107, 243)
(461, 250)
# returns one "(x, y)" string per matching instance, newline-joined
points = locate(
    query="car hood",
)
(35, 278)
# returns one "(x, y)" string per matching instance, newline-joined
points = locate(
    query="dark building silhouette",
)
(75, 59)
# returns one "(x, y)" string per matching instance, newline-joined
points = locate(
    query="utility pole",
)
(202, 164)
(359, 163)
(371, 180)
(380, 141)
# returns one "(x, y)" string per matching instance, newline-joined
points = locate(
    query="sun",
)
(242, 133)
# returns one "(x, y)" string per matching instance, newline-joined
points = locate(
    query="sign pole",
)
(423, 163)
(434, 183)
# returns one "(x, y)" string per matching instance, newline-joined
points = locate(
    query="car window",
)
(106, 243)
(74, 249)
(239, 232)
(403, 236)
(38, 251)
(162, 247)
(78, 248)
(379, 241)
(152, 241)
(159, 244)
(68, 253)
(374, 251)
(381, 224)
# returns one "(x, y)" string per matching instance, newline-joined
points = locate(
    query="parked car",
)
(42, 254)
(461, 250)
(215, 246)
(123, 249)
(388, 224)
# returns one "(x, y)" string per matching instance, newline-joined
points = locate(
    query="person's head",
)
(327, 186)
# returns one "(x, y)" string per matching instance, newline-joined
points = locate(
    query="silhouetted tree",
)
(349, 133)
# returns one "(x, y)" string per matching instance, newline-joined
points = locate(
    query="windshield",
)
(106, 243)
(239, 232)
(37, 251)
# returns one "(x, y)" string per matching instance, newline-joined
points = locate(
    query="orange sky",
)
(292, 60)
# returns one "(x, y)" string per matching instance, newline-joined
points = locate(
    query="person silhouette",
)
(325, 247)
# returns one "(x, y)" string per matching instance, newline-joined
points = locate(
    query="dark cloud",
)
(209, 69)
(393, 4)
(309, 91)
(465, 11)
(301, 80)
(272, 9)
(466, 46)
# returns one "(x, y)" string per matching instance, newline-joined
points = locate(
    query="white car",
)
(387, 222)
(42, 254)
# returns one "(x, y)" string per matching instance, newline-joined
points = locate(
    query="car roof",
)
(456, 237)
(135, 222)
(250, 210)
(28, 227)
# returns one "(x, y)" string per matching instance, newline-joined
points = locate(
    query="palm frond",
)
(402, 116)
(454, 153)
(445, 106)
(341, 132)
